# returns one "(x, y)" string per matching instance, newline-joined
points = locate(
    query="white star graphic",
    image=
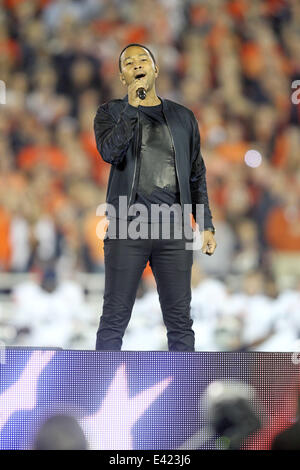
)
(110, 427)
(22, 395)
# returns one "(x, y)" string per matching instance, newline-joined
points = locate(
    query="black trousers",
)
(171, 264)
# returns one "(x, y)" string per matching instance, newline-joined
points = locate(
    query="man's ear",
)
(156, 69)
(122, 79)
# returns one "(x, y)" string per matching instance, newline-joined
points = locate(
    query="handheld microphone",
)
(141, 92)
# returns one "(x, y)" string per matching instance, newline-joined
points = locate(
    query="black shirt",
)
(158, 182)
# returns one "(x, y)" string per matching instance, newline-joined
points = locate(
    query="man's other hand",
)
(209, 243)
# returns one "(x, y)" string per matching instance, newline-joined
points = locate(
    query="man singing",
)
(153, 146)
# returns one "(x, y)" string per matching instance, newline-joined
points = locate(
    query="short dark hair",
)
(60, 432)
(135, 44)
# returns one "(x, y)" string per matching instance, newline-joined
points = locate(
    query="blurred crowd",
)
(233, 62)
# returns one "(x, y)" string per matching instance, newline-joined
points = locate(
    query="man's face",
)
(137, 65)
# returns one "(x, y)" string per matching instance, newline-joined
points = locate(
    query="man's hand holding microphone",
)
(135, 92)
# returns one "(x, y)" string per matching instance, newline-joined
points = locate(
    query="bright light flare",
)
(253, 158)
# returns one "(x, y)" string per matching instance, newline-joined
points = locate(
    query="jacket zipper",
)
(174, 155)
(136, 157)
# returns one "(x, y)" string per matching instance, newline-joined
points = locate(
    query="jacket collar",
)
(162, 100)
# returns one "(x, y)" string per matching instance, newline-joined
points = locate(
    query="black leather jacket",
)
(118, 136)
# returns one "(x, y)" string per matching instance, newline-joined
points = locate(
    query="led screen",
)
(138, 400)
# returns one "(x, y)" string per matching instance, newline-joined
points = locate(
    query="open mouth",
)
(140, 75)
